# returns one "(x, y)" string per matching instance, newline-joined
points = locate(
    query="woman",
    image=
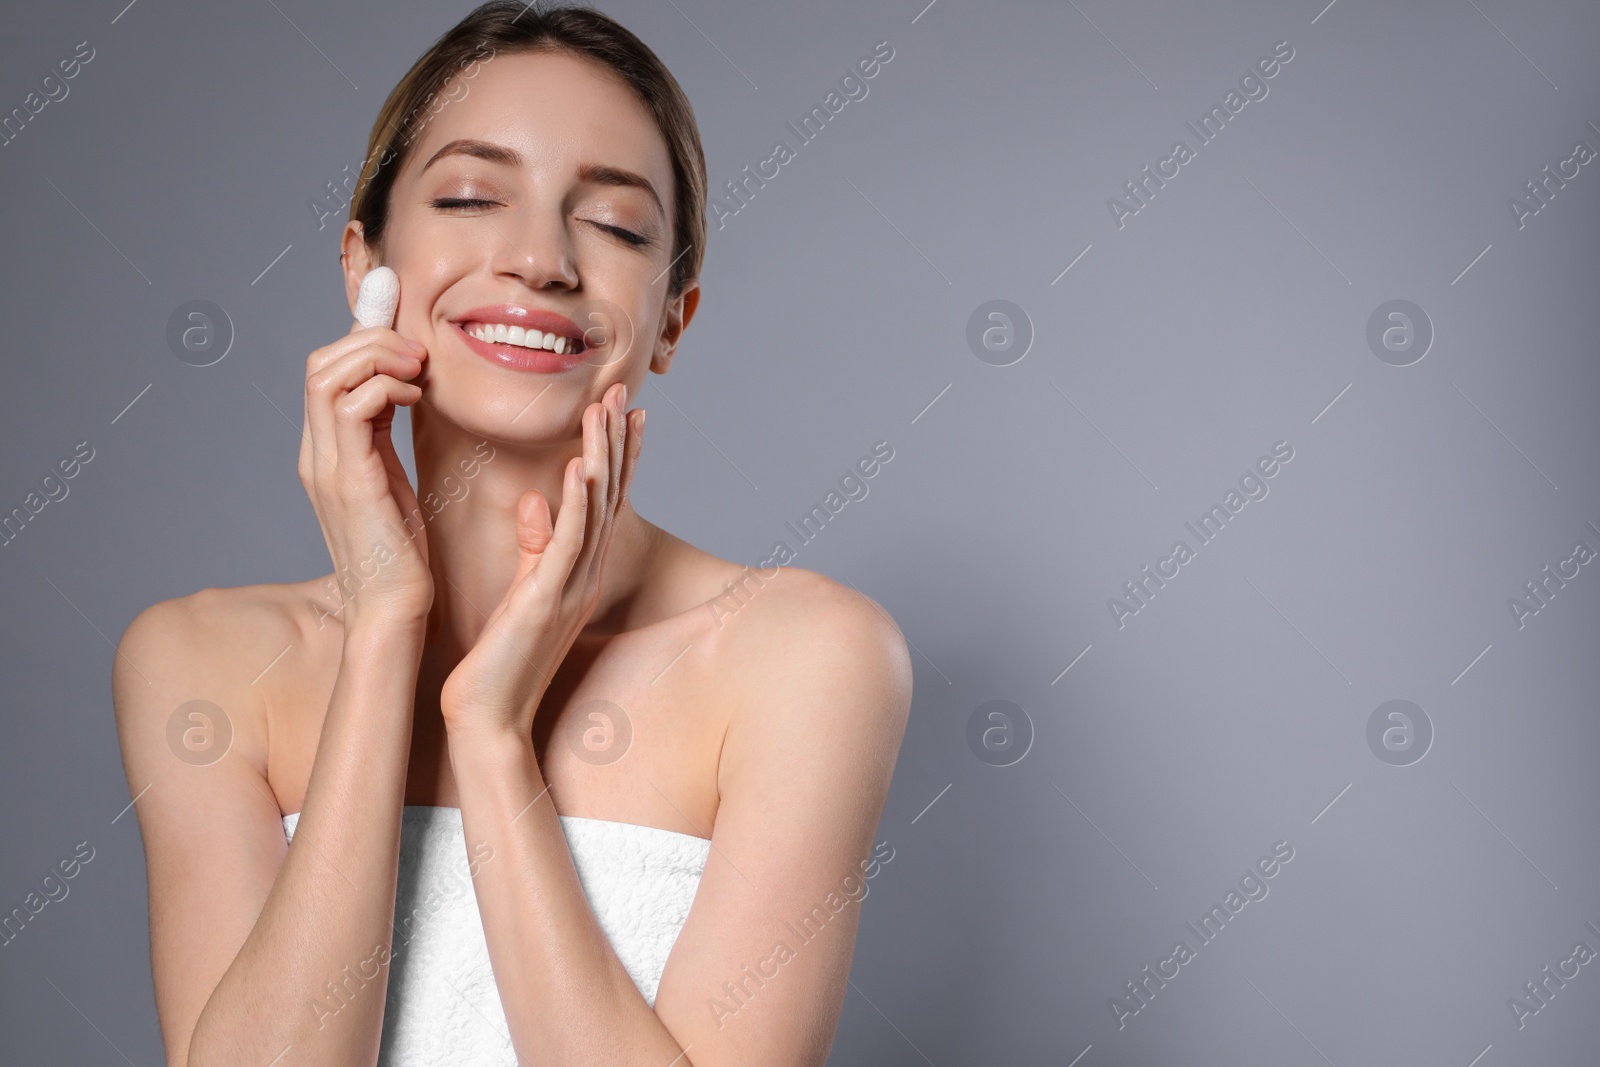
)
(526, 778)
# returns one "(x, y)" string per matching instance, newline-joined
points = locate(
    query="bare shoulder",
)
(234, 618)
(190, 698)
(793, 600)
(799, 638)
(211, 645)
(220, 632)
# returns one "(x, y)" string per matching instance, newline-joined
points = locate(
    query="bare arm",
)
(255, 950)
(803, 779)
(822, 681)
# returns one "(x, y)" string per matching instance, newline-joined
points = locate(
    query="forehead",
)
(556, 110)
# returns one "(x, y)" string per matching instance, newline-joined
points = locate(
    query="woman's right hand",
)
(357, 486)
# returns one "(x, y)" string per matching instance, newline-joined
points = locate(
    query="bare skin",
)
(767, 722)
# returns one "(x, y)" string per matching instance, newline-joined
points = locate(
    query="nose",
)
(538, 253)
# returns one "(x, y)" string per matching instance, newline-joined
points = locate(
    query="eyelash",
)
(452, 203)
(627, 235)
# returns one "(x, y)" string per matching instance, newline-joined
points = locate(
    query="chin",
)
(507, 405)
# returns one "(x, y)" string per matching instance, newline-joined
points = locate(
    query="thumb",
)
(377, 299)
(534, 531)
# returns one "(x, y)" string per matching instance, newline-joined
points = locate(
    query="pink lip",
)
(515, 357)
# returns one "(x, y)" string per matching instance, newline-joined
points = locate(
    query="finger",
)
(635, 445)
(316, 448)
(618, 437)
(616, 453)
(360, 338)
(304, 464)
(571, 525)
(378, 298)
(356, 367)
(326, 388)
(608, 453)
(353, 414)
(534, 532)
(597, 467)
(405, 497)
(616, 449)
(526, 598)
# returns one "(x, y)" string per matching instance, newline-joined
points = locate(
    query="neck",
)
(467, 490)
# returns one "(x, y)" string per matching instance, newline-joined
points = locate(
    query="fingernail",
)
(414, 346)
(624, 401)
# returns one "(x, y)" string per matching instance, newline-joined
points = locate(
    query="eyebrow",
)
(594, 173)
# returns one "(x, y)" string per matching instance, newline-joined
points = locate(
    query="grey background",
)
(1229, 314)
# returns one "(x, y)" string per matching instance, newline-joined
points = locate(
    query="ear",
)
(679, 311)
(356, 258)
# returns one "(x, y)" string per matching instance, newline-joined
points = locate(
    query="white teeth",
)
(501, 333)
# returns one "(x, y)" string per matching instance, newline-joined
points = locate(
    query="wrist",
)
(482, 754)
(387, 634)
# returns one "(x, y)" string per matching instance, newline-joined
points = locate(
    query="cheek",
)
(415, 318)
(423, 281)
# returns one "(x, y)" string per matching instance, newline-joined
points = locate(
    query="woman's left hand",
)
(496, 688)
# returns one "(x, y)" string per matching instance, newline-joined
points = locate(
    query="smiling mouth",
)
(501, 333)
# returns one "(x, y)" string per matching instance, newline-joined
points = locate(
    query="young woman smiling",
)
(504, 788)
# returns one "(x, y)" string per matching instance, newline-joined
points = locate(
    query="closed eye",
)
(458, 203)
(455, 203)
(627, 235)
